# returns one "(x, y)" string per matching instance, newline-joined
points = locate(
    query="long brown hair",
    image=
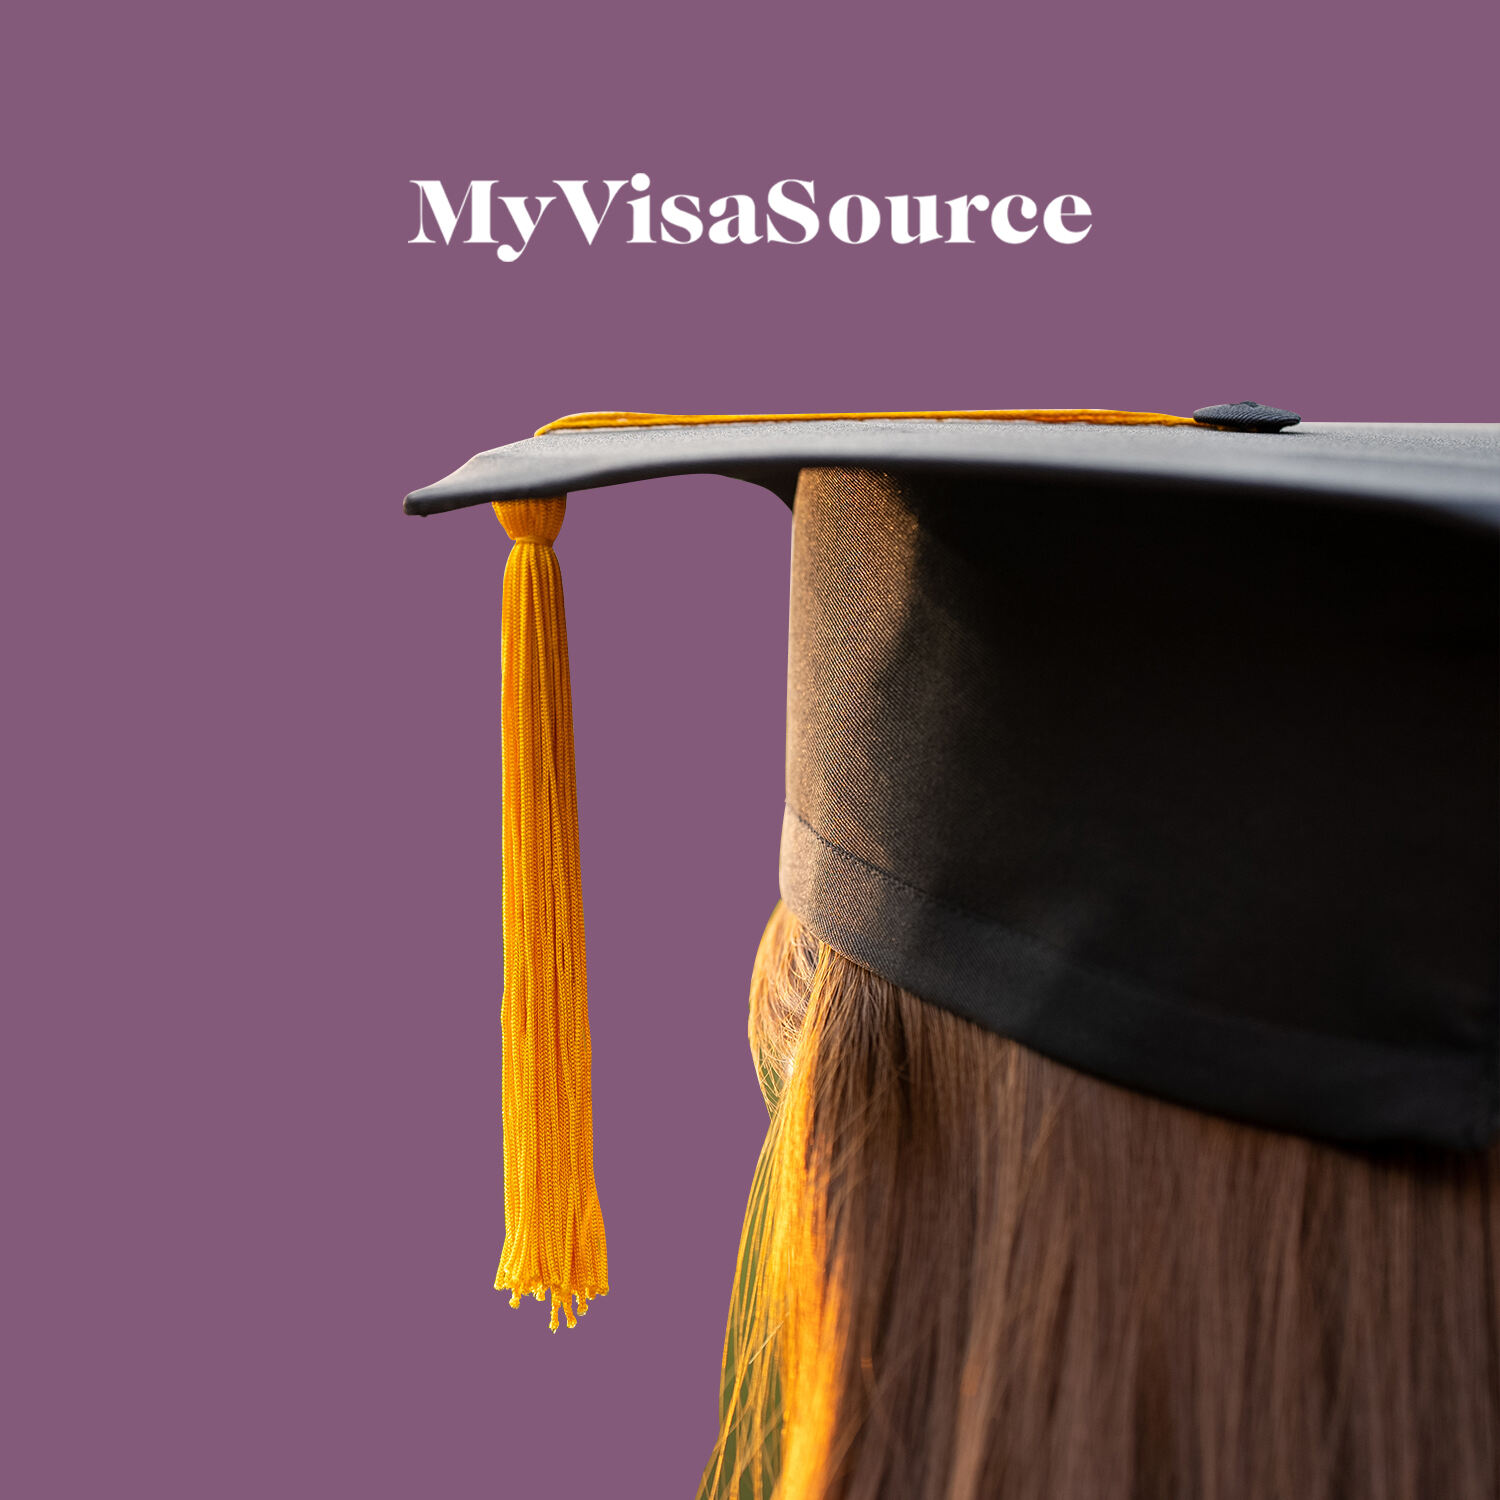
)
(968, 1271)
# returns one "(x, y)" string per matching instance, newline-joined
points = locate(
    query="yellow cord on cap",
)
(554, 1231)
(1099, 415)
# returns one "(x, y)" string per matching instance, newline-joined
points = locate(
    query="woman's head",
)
(970, 1271)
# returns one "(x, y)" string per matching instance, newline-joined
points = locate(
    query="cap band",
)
(1195, 793)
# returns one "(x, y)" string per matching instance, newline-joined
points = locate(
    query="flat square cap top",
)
(1454, 467)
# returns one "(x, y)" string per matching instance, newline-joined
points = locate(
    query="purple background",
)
(252, 826)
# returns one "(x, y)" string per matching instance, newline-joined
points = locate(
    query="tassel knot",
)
(536, 521)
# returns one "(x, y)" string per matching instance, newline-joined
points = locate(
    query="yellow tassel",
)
(554, 1232)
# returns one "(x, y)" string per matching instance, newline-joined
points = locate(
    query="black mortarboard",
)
(1169, 749)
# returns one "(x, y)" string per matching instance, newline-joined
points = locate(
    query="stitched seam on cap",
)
(1125, 982)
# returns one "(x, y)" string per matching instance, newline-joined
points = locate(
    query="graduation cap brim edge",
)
(1449, 468)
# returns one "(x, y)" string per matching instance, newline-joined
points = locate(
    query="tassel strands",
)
(554, 1231)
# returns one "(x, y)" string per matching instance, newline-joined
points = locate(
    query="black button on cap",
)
(1246, 416)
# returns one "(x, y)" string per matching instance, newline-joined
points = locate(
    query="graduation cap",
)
(1165, 746)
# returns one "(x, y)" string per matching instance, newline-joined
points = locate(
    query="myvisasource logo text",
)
(789, 214)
